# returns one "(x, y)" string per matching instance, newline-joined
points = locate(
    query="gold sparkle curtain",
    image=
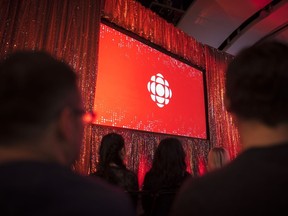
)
(68, 29)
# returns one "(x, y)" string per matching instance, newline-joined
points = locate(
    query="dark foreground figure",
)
(255, 183)
(41, 132)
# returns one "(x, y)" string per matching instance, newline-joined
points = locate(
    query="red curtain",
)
(132, 16)
(222, 130)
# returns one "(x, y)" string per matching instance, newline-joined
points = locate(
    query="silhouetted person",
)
(111, 165)
(40, 136)
(255, 183)
(163, 180)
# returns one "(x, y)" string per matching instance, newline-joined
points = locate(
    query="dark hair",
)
(109, 152)
(256, 83)
(34, 87)
(169, 162)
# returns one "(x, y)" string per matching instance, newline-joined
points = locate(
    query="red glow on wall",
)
(201, 166)
(89, 117)
(188, 169)
(142, 169)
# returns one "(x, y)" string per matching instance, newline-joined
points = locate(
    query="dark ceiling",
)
(228, 25)
(170, 10)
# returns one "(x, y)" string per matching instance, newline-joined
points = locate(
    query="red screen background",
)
(122, 99)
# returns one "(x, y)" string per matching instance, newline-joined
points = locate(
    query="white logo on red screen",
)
(159, 89)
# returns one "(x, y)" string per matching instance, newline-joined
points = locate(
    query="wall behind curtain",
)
(68, 29)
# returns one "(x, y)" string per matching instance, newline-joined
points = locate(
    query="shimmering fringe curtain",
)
(68, 29)
(222, 130)
(132, 16)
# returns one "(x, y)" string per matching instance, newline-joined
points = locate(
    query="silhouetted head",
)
(169, 157)
(40, 107)
(256, 84)
(111, 150)
(217, 158)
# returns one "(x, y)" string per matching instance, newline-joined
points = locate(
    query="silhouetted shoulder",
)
(66, 192)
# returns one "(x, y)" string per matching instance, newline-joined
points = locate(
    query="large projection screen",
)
(141, 88)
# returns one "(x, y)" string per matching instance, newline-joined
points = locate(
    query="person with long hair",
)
(217, 158)
(111, 166)
(166, 175)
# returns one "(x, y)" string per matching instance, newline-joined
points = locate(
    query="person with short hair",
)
(41, 132)
(255, 182)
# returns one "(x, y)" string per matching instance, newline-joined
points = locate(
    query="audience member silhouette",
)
(162, 181)
(111, 166)
(217, 158)
(255, 182)
(40, 135)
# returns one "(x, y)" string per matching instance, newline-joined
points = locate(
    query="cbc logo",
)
(159, 89)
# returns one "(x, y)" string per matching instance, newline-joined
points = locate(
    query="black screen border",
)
(175, 56)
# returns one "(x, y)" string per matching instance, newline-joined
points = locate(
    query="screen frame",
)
(175, 56)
